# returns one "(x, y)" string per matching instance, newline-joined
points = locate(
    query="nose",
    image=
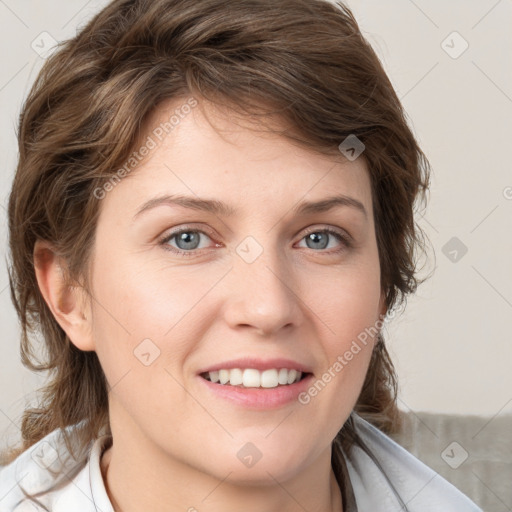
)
(263, 295)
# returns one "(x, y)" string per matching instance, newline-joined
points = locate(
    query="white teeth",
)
(251, 378)
(236, 377)
(282, 378)
(269, 379)
(291, 376)
(223, 376)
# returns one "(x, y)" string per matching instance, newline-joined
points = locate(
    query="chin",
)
(252, 467)
(261, 475)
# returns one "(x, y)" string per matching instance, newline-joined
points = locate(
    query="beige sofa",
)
(474, 453)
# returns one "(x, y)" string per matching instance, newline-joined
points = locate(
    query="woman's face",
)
(262, 288)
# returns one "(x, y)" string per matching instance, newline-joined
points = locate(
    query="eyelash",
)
(344, 239)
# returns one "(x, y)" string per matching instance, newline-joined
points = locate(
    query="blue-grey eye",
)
(184, 240)
(188, 240)
(321, 238)
(318, 240)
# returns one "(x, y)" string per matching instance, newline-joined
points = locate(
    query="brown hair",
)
(304, 61)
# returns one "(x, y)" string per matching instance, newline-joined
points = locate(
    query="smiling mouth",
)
(252, 378)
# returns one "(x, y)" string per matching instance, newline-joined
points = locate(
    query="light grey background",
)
(452, 346)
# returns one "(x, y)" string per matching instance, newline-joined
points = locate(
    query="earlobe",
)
(383, 309)
(69, 304)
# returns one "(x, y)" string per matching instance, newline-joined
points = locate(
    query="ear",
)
(383, 309)
(70, 305)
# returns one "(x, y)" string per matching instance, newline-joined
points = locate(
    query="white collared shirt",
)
(80, 485)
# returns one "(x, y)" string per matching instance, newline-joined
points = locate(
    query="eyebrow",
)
(224, 210)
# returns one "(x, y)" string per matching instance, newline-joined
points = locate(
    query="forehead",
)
(211, 151)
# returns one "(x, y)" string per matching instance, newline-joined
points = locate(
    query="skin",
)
(175, 443)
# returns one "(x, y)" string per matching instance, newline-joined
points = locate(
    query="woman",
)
(179, 161)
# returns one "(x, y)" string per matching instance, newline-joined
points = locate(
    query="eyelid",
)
(330, 229)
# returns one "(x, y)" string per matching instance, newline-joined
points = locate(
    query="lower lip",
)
(259, 398)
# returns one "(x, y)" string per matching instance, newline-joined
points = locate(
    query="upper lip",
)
(257, 364)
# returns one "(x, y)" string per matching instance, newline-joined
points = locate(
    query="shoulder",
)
(389, 477)
(49, 474)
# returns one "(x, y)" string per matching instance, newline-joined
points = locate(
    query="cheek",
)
(137, 302)
(146, 322)
(348, 309)
(347, 303)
